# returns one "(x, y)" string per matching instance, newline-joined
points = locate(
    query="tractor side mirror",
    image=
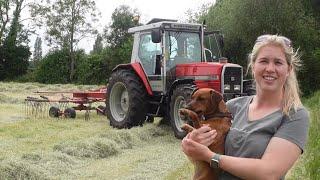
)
(156, 35)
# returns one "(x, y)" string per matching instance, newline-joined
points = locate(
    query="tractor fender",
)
(137, 68)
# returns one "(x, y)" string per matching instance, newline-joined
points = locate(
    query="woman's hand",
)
(204, 135)
(194, 150)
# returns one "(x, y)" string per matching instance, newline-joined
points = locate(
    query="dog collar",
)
(217, 115)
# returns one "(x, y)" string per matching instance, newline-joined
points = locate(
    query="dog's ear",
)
(215, 96)
(223, 107)
(218, 99)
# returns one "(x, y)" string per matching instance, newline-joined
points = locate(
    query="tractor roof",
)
(165, 24)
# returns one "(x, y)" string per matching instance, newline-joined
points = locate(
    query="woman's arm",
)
(278, 158)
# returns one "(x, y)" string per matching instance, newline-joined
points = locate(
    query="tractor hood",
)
(199, 69)
(210, 74)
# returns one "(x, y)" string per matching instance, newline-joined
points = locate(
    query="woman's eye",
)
(263, 61)
(279, 63)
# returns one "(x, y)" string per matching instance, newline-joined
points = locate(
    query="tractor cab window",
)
(212, 44)
(147, 53)
(182, 47)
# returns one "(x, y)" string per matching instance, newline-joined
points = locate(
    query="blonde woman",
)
(269, 129)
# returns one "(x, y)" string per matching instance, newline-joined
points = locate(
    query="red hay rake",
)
(57, 103)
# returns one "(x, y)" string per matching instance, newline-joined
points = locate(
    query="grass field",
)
(308, 166)
(48, 148)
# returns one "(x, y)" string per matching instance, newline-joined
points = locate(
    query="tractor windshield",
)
(182, 47)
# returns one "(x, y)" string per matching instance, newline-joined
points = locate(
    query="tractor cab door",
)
(150, 55)
(213, 45)
(181, 47)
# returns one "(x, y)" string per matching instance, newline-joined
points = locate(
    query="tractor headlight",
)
(226, 87)
(237, 87)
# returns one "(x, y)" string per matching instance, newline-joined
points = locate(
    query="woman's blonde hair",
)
(291, 98)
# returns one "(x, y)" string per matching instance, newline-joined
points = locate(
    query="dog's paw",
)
(183, 113)
(187, 128)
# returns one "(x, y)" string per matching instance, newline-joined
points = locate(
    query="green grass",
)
(47, 148)
(308, 166)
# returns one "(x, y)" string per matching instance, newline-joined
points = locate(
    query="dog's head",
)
(206, 101)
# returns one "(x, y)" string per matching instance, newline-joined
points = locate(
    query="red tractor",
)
(169, 61)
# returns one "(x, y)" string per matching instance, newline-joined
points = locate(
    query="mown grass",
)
(308, 166)
(47, 148)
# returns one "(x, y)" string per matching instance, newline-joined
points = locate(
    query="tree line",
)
(68, 21)
(242, 21)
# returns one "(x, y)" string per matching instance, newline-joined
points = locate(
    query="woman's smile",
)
(269, 78)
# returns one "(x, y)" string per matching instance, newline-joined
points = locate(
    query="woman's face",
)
(270, 69)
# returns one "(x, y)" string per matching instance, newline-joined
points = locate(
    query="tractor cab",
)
(161, 45)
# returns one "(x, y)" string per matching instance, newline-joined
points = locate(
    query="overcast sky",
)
(170, 9)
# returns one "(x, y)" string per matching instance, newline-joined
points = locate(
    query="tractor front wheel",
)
(180, 97)
(126, 100)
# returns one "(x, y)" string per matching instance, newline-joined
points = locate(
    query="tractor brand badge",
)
(232, 78)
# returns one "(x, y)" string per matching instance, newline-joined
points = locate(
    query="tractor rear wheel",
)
(126, 100)
(180, 97)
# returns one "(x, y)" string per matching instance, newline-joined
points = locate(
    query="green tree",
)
(37, 53)
(4, 17)
(53, 68)
(243, 20)
(67, 22)
(14, 56)
(92, 69)
(121, 20)
(119, 41)
(15, 27)
(98, 46)
(13, 61)
(197, 16)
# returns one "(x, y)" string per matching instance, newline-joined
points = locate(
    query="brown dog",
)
(207, 107)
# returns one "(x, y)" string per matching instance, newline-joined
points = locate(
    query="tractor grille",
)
(232, 80)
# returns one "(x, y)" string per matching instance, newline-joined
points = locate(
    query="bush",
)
(92, 70)
(13, 61)
(55, 67)
(28, 77)
(310, 72)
